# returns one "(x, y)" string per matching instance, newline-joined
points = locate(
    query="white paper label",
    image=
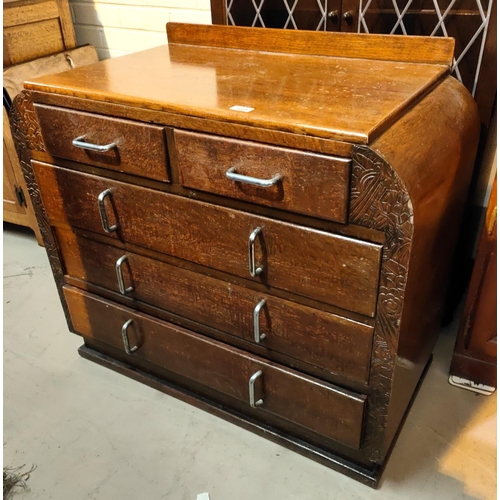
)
(244, 109)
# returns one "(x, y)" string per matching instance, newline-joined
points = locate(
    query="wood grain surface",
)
(323, 266)
(211, 126)
(317, 96)
(336, 344)
(429, 50)
(309, 183)
(415, 193)
(311, 403)
(140, 148)
(29, 41)
(336, 456)
(28, 12)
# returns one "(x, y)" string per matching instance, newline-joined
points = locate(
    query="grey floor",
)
(95, 434)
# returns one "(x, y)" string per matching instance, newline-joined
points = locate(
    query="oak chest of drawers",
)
(259, 222)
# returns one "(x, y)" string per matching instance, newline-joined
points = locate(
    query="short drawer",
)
(126, 146)
(288, 179)
(320, 265)
(336, 344)
(267, 387)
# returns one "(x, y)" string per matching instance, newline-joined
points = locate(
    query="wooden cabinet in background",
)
(17, 207)
(475, 356)
(35, 35)
(36, 28)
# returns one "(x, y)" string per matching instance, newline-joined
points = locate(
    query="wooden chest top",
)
(339, 86)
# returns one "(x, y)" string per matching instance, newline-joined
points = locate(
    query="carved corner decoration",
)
(27, 138)
(379, 200)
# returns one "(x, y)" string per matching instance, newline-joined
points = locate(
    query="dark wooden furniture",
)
(259, 222)
(475, 356)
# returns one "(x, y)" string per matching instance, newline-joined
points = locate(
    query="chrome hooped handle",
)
(119, 276)
(254, 181)
(126, 343)
(79, 142)
(102, 212)
(251, 390)
(254, 271)
(257, 336)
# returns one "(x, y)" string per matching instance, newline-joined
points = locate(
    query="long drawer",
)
(298, 181)
(267, 387)
(336, 344)
(323, 266)
(112, 143)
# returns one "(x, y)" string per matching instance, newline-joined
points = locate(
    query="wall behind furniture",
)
(119, 27)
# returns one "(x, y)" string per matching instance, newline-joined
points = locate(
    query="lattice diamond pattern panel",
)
(288, 14)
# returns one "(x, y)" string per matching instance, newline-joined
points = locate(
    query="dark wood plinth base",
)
(370, 477)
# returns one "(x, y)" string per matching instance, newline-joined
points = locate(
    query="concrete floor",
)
(95, 434)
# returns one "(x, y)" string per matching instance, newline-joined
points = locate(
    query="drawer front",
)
(140, 149)
(308, 183)
(308, 402)
(336, 344)
(316, 264)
